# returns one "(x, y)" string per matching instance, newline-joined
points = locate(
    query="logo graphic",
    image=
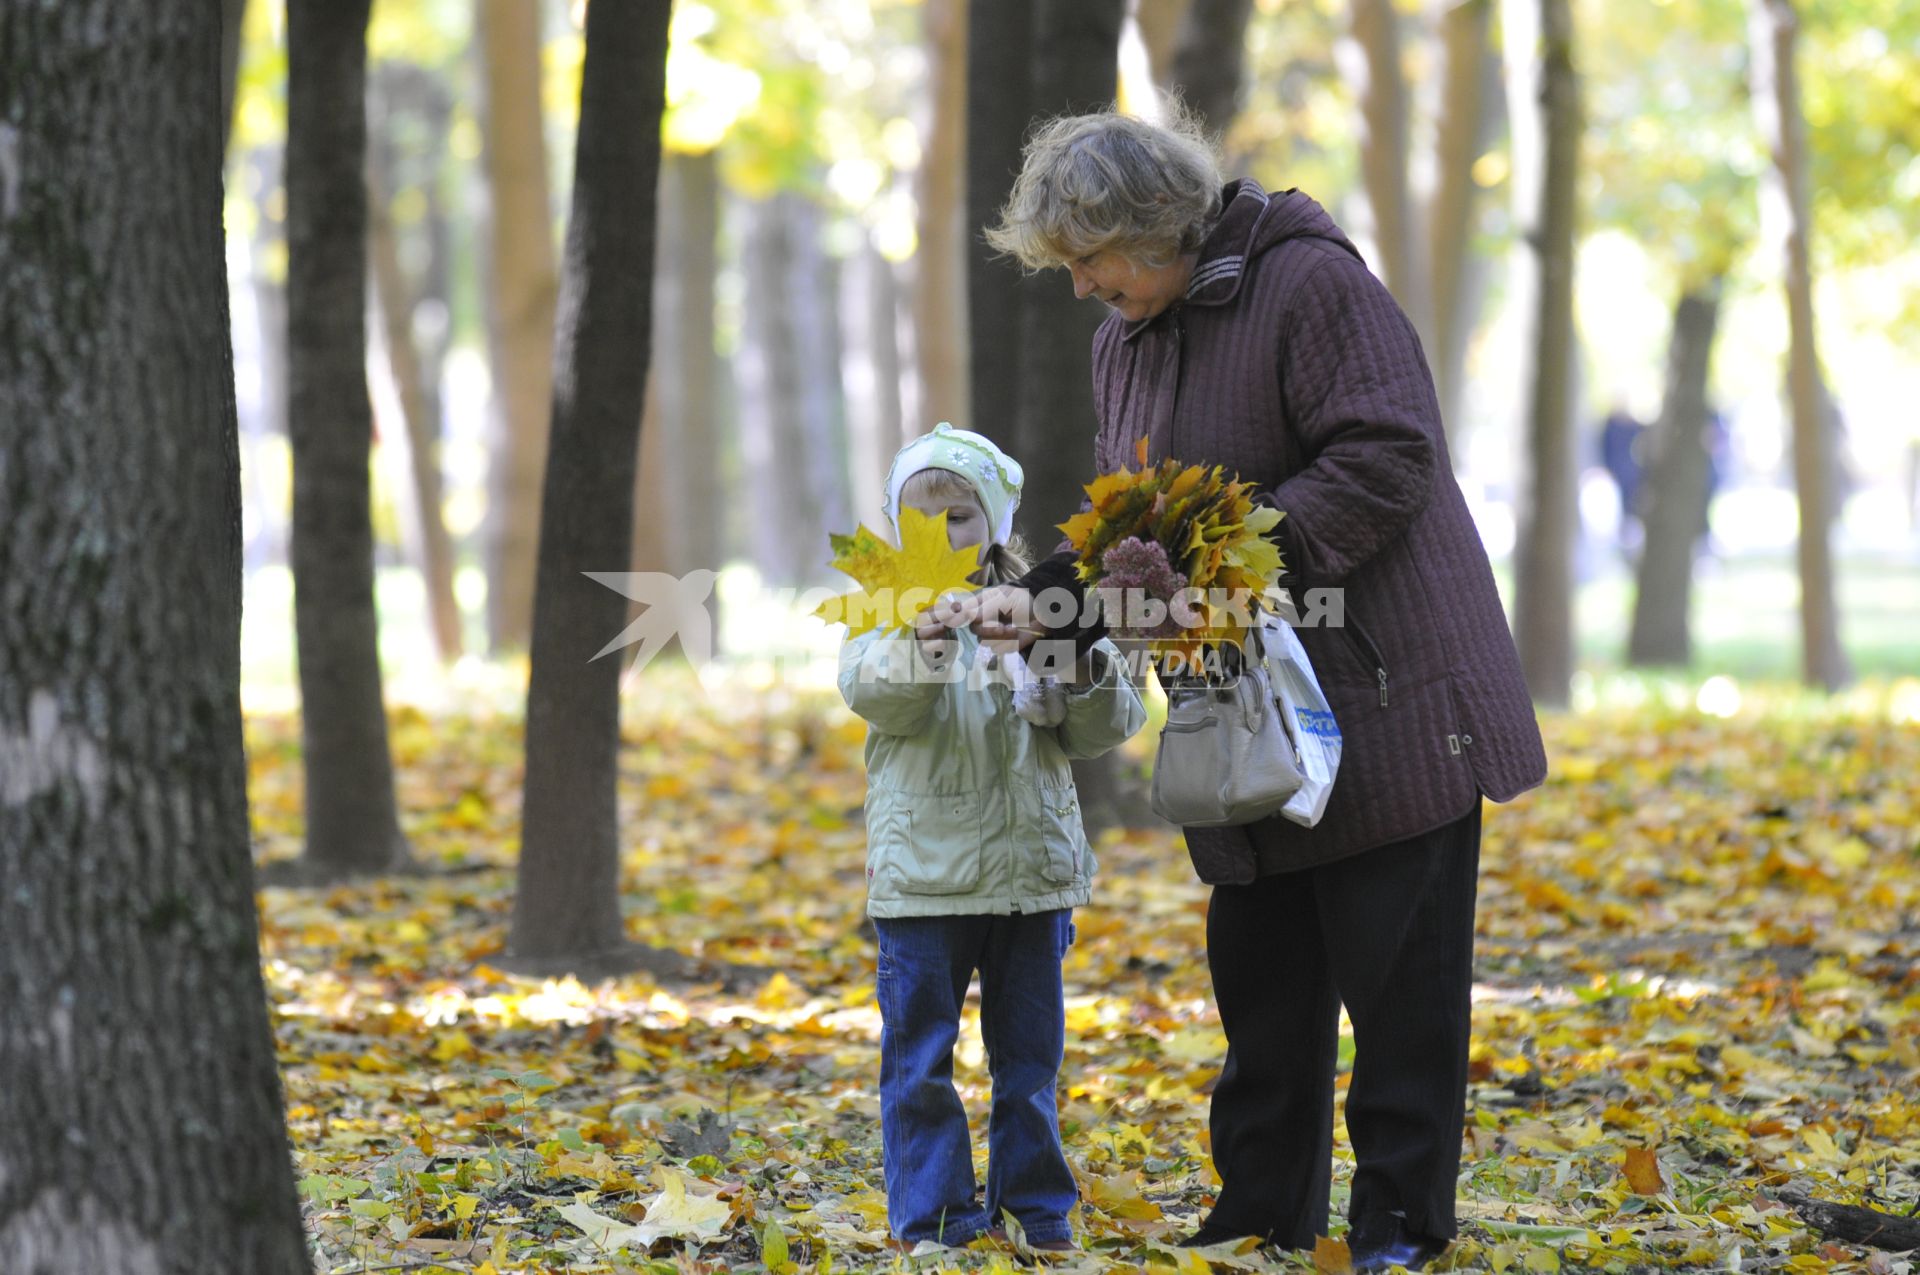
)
(676, 606)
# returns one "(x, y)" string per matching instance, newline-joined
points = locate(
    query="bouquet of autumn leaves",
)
(1186, 537)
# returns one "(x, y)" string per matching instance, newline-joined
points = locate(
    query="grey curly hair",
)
(1111, 182)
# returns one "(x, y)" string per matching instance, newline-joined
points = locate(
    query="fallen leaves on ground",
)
(1697, 986)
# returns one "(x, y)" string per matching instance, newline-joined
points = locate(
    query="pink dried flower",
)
(1132, 571)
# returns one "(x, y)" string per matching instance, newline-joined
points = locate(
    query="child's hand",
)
(937, 643)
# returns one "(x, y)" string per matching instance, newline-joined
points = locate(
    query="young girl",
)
(975, 861)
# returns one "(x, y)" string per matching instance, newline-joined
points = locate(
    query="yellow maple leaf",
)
(897, 584)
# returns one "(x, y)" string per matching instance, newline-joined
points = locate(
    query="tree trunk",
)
(870, 371)
(690, 220)
(1676, 489)
(1546, 131)
(790, 372)
(1000, 105)
(1462, 133)
(1159, 23)
(1032, 341)
(352, 820)
(566, 912)
(939, 264)
(393, 300)
(141, 1126)
(1373, 64)
(1776, 97)
(520, 303)
(1209, 58)
(233, 17)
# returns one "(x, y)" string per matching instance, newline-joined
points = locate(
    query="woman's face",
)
(1137, 292)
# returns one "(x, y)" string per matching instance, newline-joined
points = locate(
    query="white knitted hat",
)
(995, 477)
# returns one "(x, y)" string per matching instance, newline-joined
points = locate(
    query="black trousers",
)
(1389, 933)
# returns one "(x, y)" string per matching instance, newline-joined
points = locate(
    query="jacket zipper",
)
(1370, 654)
(1179, 321)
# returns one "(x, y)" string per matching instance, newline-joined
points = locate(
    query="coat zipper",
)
(1368, 652)
(1179, 321)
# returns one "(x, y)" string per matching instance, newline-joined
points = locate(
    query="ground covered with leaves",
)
(1697, 994)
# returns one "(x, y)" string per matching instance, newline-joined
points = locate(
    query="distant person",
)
(975, 861)
(1621, 444)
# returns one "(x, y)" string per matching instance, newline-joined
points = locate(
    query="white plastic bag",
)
(1316, 735)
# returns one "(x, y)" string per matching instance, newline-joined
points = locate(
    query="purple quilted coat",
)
(1290, 364)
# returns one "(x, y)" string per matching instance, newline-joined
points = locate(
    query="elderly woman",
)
(1246, 331)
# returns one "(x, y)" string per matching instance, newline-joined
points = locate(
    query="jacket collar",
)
(1224, 256)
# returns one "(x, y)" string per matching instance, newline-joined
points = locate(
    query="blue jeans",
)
(925, 965)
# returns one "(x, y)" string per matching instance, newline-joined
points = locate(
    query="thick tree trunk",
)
(141, 1126)
(1000, 106)
(426, 527)
(566, 912)
(1462, 133)
(1776, 99)
(1373, 64)
(939, 264)
(521, 287)
(1209, 57)
(1032, 341)
(1546, 129)
(1676, 488)
(352, 819)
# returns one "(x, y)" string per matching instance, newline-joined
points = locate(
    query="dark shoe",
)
(1210, 1234)
(998, 1234)
(1399, 1247)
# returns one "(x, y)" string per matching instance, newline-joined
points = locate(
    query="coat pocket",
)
(1062, 836)
(942, 851)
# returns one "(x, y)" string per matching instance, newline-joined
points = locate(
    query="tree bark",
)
(141, 1122)
(1676, 489)
(1462, 133)
(520, 308)
(566, 912)
(1000, 105)
(939, 263)
(394, 300)
(1209, 60)
(1374, 66)
(233, 16)
(1546, 126)
(352, 818)
(1774, 31)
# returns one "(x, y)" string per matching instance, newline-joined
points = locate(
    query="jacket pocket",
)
(1061, 835)
(942, 850)
(1364, 650)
